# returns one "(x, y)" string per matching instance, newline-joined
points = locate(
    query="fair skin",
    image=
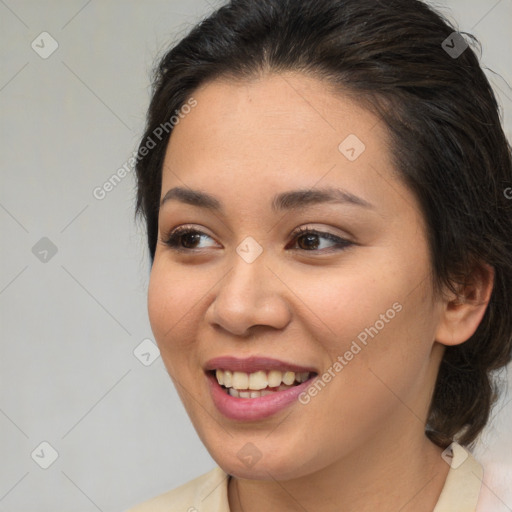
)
(359, 445)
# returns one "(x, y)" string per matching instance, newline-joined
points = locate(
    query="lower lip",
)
(249, 409)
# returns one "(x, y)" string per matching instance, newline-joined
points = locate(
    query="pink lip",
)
(252, 409)
(254, 364)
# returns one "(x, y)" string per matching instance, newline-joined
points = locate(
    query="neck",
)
(408, 477)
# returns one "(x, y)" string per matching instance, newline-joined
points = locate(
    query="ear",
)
(462, 313)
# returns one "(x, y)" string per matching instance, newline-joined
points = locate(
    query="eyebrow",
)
(285, 201)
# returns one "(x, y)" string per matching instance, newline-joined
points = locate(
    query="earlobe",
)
(463, 312)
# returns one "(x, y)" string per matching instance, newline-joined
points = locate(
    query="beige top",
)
(209, 492)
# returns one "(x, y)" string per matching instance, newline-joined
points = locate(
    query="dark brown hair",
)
(401, 59)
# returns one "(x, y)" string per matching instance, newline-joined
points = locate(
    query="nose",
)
(249, 295)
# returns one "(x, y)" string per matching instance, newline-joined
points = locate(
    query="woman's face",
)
(351, 303)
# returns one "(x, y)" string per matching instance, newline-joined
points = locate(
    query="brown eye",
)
(184, 239)
(310, 240)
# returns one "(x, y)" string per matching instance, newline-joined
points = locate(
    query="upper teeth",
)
(258, 380)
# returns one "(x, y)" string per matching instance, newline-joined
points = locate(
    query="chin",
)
(241, 464)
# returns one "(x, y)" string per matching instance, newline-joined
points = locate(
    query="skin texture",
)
(360, 443)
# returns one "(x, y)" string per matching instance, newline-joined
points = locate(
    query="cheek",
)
(382, 326)
(349, 304)
(392, 363)
(172, 300)
(159, 300)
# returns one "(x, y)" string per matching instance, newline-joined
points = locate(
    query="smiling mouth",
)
(260, 383)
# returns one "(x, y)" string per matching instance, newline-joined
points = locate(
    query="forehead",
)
(252, 139)
(277, 108)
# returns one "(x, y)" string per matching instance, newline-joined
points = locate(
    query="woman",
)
(330, 242)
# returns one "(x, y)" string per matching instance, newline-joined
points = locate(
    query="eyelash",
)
(174, 237)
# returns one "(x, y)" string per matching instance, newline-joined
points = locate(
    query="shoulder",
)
(463, 483)
(204, 493)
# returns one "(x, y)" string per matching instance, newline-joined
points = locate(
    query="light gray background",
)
(70, 325)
